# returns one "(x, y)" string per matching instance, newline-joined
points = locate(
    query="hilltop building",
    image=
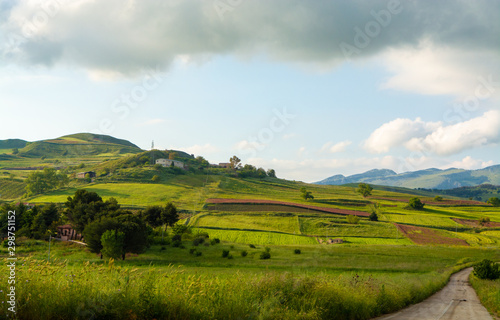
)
(81, 175)
(168, 163)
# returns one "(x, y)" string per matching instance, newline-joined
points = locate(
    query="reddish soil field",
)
(444, 202)
(421, 235)
(476, 224)
(270, 205)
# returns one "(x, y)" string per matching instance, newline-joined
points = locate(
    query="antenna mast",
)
(152, 152)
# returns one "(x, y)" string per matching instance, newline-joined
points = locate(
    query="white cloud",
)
(435, 137)
(469, 163)
(432, 69)
(396, 133)
(452, 139)
(301, 151)
(334, 148)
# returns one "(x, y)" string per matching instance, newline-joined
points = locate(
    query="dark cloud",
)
(127, 36)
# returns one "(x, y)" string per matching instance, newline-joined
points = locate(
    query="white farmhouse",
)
(168, 163)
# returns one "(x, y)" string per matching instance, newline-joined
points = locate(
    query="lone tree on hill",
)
(235, 162)
(364, 189)
(416, 204)
(306, 194)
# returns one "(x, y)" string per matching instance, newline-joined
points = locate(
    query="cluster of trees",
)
(249, 171)
(37, 222)
(46, 180)
(112, 231)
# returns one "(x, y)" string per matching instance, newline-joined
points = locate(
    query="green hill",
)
(78, 145)
(12, 143)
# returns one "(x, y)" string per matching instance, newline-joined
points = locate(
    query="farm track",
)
(271, 205)
(456, 301)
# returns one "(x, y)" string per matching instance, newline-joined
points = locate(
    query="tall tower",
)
(152, 153)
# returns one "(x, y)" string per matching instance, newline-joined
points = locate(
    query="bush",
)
(265, 255)
(177, 237)
(230, 256)
(487, 269)
(198, 241)
(176, 244)
(163, 249)
(415, 204)
(198, 253)
(244, 253)
(225, 253)
(352, 219)
(484, 220)
(267, 249)
(297, 251)
(373, 216)
(438, 198)
(251, 246)
(192, 250)
(155, 178)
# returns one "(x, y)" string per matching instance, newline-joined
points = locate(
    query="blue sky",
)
(272, 83)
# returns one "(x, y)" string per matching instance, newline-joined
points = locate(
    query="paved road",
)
(456, 301)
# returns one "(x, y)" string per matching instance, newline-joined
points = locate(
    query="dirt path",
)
(456, 301)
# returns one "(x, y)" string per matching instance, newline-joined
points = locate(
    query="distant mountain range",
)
(428, 179)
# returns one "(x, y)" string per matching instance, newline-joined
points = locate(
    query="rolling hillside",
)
(77, 145)
(428, 179)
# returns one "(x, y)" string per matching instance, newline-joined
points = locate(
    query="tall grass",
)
(107, 291)
(488, 292)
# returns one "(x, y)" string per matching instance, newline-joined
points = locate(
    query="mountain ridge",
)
(431, 178)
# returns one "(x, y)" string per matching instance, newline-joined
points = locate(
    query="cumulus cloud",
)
(396, 133)
(128, 36)
(334, 148)
(446, 140)
(469, 163)
(435, 70)
(435, 137)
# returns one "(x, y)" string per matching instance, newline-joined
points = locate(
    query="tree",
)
(271, 173)
(373, 216)
(261, 173)
(94, 231)
(235, 162)
(112, 243)
(172, 155)
(494, 201)
(438, 198)
(352, 219)
(364, 189)
(87, 206)
(416, 204)
(45, 180)
(15, 151)
(306, 194)
(375, 211)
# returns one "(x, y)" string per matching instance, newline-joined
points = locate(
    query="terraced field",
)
(427, 236)
(258, 237)
(11, 189)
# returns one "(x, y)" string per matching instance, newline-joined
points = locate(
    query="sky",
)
(309, 88)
